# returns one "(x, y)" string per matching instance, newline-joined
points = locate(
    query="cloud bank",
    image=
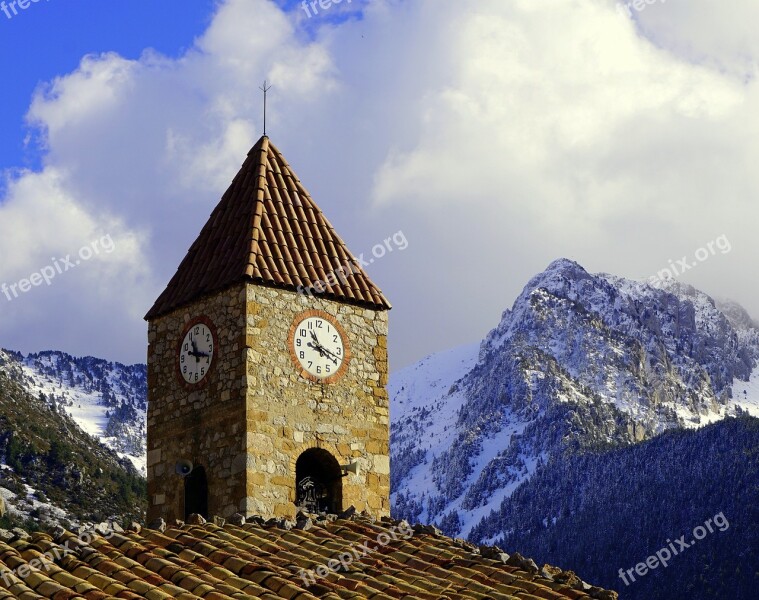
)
(497, 136)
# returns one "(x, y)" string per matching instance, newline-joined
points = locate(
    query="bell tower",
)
(267, 363)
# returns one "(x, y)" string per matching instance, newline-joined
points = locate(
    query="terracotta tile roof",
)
(263, 560)
(268, 229)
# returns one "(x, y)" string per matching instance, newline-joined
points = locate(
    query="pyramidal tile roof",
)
(380, 561)
(267, 229)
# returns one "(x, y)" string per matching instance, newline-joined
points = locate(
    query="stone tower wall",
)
(207, 425)
(287, 414)
(256, 414)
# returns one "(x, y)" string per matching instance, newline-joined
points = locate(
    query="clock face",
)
(196, 352)
(318, 346)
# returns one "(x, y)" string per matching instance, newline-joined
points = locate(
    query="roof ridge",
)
(258, 214)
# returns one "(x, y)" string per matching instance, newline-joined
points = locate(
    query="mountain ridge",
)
(579, 363)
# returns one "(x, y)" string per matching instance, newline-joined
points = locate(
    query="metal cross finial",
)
(264, 89)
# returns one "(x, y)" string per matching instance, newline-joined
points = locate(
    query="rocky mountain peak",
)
(580, 362)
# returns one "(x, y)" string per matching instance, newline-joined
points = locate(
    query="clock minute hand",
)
(321, 349)
(334, 356)
(317, 342)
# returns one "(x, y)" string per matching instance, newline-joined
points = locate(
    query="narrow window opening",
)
(196, 493)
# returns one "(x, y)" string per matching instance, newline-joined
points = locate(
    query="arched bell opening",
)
(196, 493)
(318, 482)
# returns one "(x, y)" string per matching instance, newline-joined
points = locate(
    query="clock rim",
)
(200, 320)
(299, 318)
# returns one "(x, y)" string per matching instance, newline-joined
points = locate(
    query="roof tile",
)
(268, 230)
(258, 561)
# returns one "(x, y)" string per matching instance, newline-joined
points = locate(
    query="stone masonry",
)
(257, 414)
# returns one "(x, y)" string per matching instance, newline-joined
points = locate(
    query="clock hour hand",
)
(317, 347)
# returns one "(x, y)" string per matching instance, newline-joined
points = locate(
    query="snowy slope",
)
(745, 396)
(24, 505)
(107, 400)
(426, 405)
(51, 470)
(580, 362)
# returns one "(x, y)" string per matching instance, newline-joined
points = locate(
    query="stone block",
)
(154, 456)
(382, 464)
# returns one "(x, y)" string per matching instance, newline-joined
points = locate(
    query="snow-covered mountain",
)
(107, 400)
(53, 471)
(580, 363)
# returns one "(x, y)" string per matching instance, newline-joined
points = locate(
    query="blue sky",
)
(50, 37)
(496, 135)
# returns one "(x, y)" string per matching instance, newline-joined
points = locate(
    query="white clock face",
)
(196, 353)
(319, 347)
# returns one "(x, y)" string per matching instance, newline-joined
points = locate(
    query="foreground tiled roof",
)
(268, 229)
(263, 560)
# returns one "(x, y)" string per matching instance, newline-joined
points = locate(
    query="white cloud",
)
(98, 87)
(140, 150)
(542, 94)
(558, 129)
(720, 34)
(208, 165)
(497, 135)
(94, 267)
